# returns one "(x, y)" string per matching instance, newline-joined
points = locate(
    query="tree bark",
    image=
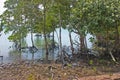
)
(117, 39)
(82, 44)
(32, 39)
(53, 45)
(71, 43)
(60, 41)
(44, 27)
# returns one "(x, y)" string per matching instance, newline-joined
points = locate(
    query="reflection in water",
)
(10, 55)
(30, 53)
(24, 43)
(14, 55)
(38, 42)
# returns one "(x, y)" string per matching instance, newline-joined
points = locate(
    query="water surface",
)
(11, 55)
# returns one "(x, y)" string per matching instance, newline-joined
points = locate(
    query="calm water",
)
(11, 55)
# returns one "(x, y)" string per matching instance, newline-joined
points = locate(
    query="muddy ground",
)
(27, 70)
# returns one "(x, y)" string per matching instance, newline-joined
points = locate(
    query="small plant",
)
(91, 62)
(69, 65)
(95, 69)
(31, 77)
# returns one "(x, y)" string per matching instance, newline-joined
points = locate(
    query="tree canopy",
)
(78, 16)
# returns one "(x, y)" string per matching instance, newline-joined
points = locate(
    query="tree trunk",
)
(44, 27)
(107, 40)
(117, 39)
(60, 41)
(60, 44)
(53, 45)
(82, 45)
(85, 43)
(32, 39)
(71, 43)
(20, 49)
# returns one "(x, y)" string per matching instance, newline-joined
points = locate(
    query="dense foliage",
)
(100, 18)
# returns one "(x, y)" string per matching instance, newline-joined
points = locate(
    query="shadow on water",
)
(33, 53)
